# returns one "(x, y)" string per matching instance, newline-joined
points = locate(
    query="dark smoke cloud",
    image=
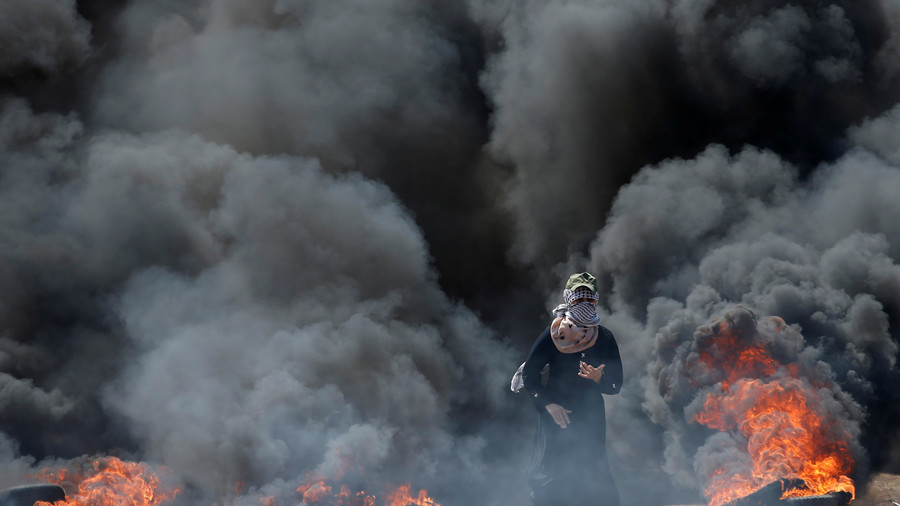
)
(553, 121)
(345, 355)
(690, 238)
(388, 89)
(255, 240)
(797, 224)
(43, 35)
(263, 319)
(23, 402)
(586, 93)
(201, 67)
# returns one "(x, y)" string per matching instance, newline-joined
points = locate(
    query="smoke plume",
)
(259, 242)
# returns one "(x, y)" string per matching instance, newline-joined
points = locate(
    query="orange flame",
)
(787, 437)
(110, 482)
(319, 491)
(737, 359)
(401, 497)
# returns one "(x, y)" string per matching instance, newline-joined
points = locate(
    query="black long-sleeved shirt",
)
(564, 386)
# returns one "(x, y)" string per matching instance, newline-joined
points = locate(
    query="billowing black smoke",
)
(688, 239)
(685, 74)
(246, 239)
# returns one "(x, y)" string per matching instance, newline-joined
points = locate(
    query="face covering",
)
(569, 337)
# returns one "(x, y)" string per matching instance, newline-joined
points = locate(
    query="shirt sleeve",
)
(611, 382)
(539, 356)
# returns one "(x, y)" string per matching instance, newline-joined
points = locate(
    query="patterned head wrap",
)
(581, 292)
(582, 313)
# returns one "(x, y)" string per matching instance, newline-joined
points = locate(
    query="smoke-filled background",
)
(254, 241)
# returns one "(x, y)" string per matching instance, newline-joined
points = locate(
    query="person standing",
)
(571, 365)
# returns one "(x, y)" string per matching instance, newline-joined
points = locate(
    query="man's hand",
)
(560, 414)
(590, 372)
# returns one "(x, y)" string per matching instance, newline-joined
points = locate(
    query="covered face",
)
(581, 299)
(570, 337)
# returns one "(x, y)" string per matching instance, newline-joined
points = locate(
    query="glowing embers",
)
(321, 492)
(779, 424)
(401, 497)
(332, 489)
(109, 481)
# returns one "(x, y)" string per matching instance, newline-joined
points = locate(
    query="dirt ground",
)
(883, 490)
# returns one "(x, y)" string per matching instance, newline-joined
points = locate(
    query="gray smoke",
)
(772, 142)
(689, 239)
(387, 89)
(553, 120)
(43, 35)
(258, 242)
(320, 330)
(586, 93)
(270, 319)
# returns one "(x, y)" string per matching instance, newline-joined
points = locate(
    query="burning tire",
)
(27, 495)
(770, 495)
(835, 499)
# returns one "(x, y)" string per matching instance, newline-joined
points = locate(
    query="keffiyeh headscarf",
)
(582, 313)
(574, 326)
